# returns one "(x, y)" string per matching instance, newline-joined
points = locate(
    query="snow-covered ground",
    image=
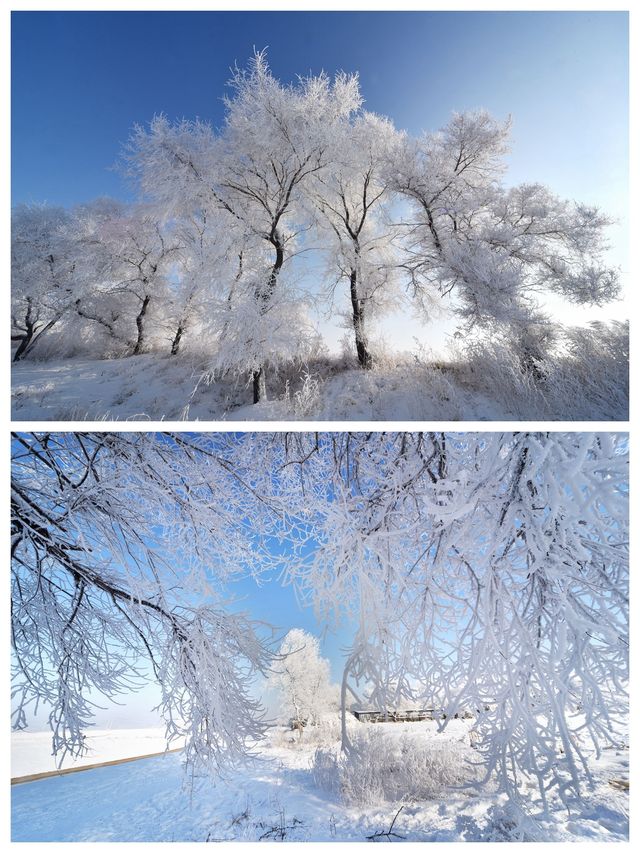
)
(31, 751)
(149, 387)
(152, 387)
(278, 795)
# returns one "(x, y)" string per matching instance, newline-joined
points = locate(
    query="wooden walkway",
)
(34, 777)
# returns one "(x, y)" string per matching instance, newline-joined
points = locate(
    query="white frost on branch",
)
(482, 572)
(118, 564)
(485, 573)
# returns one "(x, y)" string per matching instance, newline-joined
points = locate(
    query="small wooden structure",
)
(396, 716)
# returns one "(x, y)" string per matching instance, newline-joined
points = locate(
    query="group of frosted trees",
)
(477, 572)
(213, 255)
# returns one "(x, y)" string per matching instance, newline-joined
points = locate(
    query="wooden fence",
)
(396, 716)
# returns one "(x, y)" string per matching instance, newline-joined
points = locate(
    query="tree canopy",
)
(484, 572)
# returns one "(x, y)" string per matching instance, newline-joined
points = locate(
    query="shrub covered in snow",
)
(585, 376)
(380, 767)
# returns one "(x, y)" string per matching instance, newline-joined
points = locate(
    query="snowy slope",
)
(150, 800)
(152, 387)
(149, 387)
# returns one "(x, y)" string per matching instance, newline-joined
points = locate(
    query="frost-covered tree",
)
(42, 273)
(127, 255)
(484, 572)
(274, 139)
(219, 270)
(225, 214)
(208, 259)
(495, 247)
(102, 310)
(118, 566)
(301, 677)
(352, 199)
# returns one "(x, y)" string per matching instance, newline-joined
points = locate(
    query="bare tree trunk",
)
(175, 345)
(344, 738)
(432, 229)
(264, 296)
(30, 336)
(362, 345)
(345, 743)
(259, 385)
(531, 355)
(25, 341)
(530, 364)
(232, 291)
(27, 333)
(140, 325)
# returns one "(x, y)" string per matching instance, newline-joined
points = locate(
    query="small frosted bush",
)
(305, 400)
(325, 769)
(382, 768)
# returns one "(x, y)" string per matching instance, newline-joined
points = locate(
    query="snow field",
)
(31, 751)
(151, 800)
(400, 387)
